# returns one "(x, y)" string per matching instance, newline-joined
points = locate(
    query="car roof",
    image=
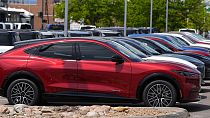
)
(36, 41)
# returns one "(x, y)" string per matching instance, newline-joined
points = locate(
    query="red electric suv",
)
(91, 69)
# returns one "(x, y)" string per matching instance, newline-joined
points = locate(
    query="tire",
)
(23, 91)
(164, 96)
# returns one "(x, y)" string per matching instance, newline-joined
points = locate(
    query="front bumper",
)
(190, 90)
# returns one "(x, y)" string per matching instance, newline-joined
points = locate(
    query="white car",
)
(46, 34)
(188, 30)
(5, 48)
(22, 26)
(171, 59)
(188, 41)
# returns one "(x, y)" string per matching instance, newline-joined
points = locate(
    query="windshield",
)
(169, 42)
(132, 49)
(163, 47)
(180, 41)
(174, 41)
(124, 51)
(143, 46)
(198, 36)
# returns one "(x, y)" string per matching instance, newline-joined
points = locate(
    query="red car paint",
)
(91, 76)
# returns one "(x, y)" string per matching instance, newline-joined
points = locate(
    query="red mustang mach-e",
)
(91, 69)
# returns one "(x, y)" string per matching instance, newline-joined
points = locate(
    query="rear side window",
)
(8, 26)
(25, 26)
(59, 50)
(93, 51)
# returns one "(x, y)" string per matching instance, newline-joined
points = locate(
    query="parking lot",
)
(198, 109)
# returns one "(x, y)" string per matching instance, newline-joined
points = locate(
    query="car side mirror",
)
(118, 59)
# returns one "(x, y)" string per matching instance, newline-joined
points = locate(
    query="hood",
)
(193, 60)
(170, 59)
(202, 45)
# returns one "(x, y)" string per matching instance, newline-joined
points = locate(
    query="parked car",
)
(101, 69)
(22, 35)
(149, 47)
(189, 42)
(188, 30)
(136, 46)
(105, 33)
(45, 34)
(79, 33)
(146, 30)
(129, 30)
(7, 40)
(198, 55)
(54, 27)
(9, 26)
(22, 26)
(177, 45)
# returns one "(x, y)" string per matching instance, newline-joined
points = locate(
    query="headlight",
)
(186, 74)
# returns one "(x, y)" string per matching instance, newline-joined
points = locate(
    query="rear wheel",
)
(159, 93)
(23, 91)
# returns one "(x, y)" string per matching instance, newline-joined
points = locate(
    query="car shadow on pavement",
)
(194, 107)
(205, 90)
(207, 84)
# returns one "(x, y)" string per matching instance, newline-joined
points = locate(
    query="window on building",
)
(23, 1)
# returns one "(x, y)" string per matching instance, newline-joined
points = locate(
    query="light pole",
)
(125, 18)
(151, 3)
(66, 18)
(166, 15)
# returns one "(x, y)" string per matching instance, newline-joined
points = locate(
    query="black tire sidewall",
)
(169, 85)
(32, 84)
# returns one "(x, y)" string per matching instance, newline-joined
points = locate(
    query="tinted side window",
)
(1, 26)
(92, 51)
(7, 26)
(59, 50)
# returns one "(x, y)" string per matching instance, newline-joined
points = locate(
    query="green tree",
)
(95, 12)
(182, 13)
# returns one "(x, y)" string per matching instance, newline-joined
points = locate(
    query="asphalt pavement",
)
(200, 109)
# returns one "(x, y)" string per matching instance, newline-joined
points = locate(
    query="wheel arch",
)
(157, 76)
(23, 74)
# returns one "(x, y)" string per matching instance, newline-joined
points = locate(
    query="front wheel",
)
(23, 91)
(159, 93)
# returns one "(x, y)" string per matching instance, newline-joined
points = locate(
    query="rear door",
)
(97, 74)
(56, 65)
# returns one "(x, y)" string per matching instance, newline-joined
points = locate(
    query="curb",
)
(177, 113)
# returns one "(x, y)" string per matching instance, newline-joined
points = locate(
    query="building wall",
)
(35, 9)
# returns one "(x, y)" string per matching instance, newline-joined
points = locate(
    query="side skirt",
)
(83, 97)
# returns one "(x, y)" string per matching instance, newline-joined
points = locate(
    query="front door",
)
(97, 74)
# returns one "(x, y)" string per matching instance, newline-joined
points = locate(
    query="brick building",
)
(39, 8)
